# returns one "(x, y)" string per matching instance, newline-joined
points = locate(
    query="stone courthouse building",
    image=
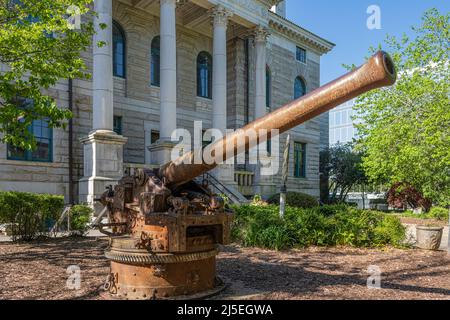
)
(165, 65)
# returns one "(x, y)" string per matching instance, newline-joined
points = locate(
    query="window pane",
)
(299, 88)
(155, 62)
(42, 151)
(117, 125)
(299, 160)
(118, 51)
(154, 136)
(15, 153)
(301, 55)
(204, 75)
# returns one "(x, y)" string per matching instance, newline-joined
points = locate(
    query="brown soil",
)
(38, 271)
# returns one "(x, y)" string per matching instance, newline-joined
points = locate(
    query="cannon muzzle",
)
(379, 71)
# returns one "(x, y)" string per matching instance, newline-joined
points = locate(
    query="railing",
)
(218, 187)
(245, 180)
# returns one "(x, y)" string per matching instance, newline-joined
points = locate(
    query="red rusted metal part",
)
(165, 226)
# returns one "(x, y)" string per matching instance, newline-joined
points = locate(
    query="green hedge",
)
(439, 213)
(295, 199)
(320, 226)
(79, 218)
(30, 214)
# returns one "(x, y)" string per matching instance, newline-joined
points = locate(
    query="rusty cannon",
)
(166, 226)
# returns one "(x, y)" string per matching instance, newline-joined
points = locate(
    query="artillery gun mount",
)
(166, 227)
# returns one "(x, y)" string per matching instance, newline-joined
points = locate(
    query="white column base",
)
(103, 164)
(161, 152)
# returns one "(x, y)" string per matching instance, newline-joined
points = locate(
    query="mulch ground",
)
(39, 271)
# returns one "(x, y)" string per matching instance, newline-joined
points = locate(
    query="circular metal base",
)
(138, 274)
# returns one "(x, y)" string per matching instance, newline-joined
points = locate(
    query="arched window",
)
(204, 75)
(268, 89)
(119, 47)
(155, 62)
(299, 88)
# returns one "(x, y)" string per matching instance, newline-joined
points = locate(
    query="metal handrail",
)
(217, 182)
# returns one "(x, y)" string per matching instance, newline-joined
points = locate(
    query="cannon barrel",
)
(377, 72)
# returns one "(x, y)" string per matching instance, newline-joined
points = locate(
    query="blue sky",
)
(343, 22)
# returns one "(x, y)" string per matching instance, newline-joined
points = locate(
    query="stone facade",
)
(138, 103)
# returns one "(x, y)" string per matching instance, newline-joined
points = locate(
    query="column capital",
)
(220, 15)
(260, 34)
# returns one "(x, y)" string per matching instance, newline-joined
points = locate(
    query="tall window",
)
(301, 55)
(117, 125)
(155, 62)
(268, 101)
(299, 88)
(268, 89)
(44, 141)
(299, 160)
(204, 75)
(119, 51)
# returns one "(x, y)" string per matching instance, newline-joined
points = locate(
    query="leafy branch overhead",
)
(38, 46)
(405, 130)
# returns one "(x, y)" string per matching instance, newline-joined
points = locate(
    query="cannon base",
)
(141, 275)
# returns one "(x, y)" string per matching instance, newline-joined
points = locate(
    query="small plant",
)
(79, 219)
(295, 199)
(439, 213)
(226, 200)
(258, 201)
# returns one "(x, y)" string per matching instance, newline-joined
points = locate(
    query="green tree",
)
(343, 166)
(405, 130)
(40, 43)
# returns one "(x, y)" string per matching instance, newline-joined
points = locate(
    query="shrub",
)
(79, 218)
(30, 214)
(401, 195)
(439, 213)
(320, 226)
(295, 199)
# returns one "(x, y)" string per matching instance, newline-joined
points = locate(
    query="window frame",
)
(28, 154)
(155, 68)
(209, 69)
(302, 58)
(297, 165)
(120, 29)
(299, 79)
(118, 129)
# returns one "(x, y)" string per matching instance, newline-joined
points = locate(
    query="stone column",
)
(103, 148)
(219, 85)
(260, 41)
(260, 72)
(225, 173)
(160, 151)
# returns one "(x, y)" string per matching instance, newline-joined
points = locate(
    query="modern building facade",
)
(342, 129)
(165, 65)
